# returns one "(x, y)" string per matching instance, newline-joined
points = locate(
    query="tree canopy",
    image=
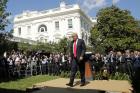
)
(116, 29)
(3, 15)
(5, 44)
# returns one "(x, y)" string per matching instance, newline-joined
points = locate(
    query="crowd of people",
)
(18, 63)
(116, 61)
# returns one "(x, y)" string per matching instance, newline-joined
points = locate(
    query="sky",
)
(90, 7)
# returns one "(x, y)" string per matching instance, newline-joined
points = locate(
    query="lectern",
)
(88, 70)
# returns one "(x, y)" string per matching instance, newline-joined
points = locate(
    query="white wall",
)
(49, 21)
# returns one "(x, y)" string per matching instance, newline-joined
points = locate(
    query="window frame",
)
(19, 31)
(42, 27)
(70, 24)
(28, 29)
(57, 26)
(40, 30)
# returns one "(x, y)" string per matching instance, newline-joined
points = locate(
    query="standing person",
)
(43, 64)
(136, 61)
(129, 63)
(112, 62)
(77, 52)
(50, 62)
(64, 63)
(136, 77)
(121, 62)
(98, 64)
(56, 64)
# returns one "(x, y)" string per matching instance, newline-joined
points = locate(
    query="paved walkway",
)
(58, 85)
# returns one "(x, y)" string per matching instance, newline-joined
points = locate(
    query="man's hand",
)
(70, 58)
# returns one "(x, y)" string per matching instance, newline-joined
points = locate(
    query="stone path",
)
(58, 85)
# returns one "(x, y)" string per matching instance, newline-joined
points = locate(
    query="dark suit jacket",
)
(81, 49)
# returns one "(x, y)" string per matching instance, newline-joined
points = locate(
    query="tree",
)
(3, 15)
(138, 25)
(5, 44)
(95, 39)
(115, 29)
(63, 45)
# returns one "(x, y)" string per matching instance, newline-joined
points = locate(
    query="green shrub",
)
(77, 75)
(119, 76)
(62, 74)
(98, 76)
(67, 74)
(116, 76)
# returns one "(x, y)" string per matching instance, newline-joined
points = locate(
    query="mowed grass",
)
(22, 84)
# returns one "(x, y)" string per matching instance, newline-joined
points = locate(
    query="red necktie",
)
(75, 49)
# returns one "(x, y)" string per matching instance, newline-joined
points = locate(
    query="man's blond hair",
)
(74, 34)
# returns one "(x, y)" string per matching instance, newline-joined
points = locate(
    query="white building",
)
(52, 25)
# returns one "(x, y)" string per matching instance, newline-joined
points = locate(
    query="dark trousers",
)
(44, 68)
(50, 68)
(74, 67)
(129, 69)
(56, 69)
(112, 67)
(122, 68)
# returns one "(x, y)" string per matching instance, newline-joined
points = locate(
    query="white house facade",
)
(52, 25)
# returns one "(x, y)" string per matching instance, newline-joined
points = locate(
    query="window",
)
(81, 23)
(42, 28)
(87, 27)
(41, 39)
(45, 40)
(84, 25)
(28, 29)
(57, 25)
(19, 31)
(70, 23)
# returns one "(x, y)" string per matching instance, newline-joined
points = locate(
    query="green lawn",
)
(22, 84)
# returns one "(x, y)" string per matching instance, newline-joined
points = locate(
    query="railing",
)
(19, 16)
(55, 9)
(45, 11)
(29, 69)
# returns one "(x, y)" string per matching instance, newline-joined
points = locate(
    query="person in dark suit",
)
(112, 62)
(77, 52)
(120, 61)
(129, 63)
(136, 77)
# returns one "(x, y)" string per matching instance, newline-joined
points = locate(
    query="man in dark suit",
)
(77, 52)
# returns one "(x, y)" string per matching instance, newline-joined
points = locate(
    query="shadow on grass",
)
(64, 90)
(52, 90)
(2, 90)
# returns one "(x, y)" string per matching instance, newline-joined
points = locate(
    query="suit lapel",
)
(77, 43)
